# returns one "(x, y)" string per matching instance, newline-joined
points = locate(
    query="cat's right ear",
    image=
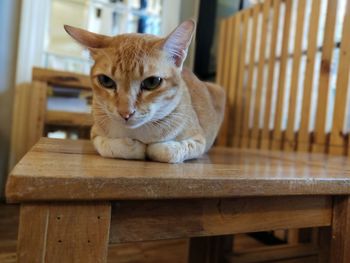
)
(87, 39)
(177, 43)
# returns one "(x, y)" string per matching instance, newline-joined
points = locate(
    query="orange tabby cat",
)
(144, 103)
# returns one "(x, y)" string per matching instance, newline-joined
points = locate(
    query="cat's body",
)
(156, 109)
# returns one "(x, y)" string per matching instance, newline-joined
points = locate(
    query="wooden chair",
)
(258, 91)
(32, 118)
(278, 63)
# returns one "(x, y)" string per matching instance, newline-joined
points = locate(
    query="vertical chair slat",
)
(319, 144)
(23, 135)
(18, 146)
(37, 113)
(222, 49)
(233, 76)
(289, 142)
(225, 74)
(258, 93)
(304, 135)
(337, 143)
(271, 69)
(277, 133)
(249, 88)
(238, 104)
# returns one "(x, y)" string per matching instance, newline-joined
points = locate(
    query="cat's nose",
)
(127, 115)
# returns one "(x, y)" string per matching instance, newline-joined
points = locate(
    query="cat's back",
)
(208, 100)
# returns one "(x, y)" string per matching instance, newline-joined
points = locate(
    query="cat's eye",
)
(106, 82)
(151, 83)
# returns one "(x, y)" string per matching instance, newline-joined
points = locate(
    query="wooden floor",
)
(169, 251)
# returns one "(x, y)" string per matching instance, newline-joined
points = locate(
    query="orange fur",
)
(179, 120)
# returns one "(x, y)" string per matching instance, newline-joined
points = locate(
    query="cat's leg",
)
(177, 151)
(123, 148)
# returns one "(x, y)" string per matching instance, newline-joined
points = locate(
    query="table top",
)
(72, 170)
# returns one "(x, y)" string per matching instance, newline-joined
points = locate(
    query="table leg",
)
(210, 249)
(63, 232)
(340, 244)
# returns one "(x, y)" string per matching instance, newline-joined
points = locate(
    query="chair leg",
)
(69, 232)
(340, 244)
(210, 249)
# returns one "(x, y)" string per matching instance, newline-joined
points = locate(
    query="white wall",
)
(9, 22)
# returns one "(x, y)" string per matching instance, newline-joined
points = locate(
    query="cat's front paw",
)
(166, 152)
(124, 148)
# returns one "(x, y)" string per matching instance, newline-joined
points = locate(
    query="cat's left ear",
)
(177, 43)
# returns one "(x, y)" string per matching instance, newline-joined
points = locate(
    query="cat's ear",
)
(178, 41)
(87, 39)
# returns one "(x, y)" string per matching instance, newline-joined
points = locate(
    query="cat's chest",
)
(146, 134)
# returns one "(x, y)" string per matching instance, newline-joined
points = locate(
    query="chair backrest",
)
(31, 116)
(285, 66)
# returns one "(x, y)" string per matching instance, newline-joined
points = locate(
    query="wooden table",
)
(74, 202)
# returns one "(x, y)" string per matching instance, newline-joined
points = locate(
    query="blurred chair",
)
(38, 111)
(281, 64)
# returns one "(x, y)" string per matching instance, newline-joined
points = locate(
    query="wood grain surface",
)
(61, 78)
(64, 232)
(70, 170)
(166, 219)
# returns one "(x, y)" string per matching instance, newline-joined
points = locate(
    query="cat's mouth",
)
(134, 123)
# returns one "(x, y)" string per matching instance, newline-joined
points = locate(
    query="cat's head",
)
(136, 77)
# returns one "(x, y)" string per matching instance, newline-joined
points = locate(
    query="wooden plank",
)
(238, 103)
(340, 246)
(27, 120)
(278, 253)
(293, 236)
(78, 232)
(64, 232)
(221, 51)
(337, 142)
(61, 78)
(19, 116)
(64, 146)
(233, 72)
(258, 93)
(166, 219)
(24, 121)
(222, 65)
(289, 142)
(229, 72)
(68, 118)
(265, 140)
(167, 251)
(32, 232)
(319, 144)
(8, 257)
(225, 172)
(304, 134)
(35, 128)
(249, 89)
(307, 259)
(277, 132)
